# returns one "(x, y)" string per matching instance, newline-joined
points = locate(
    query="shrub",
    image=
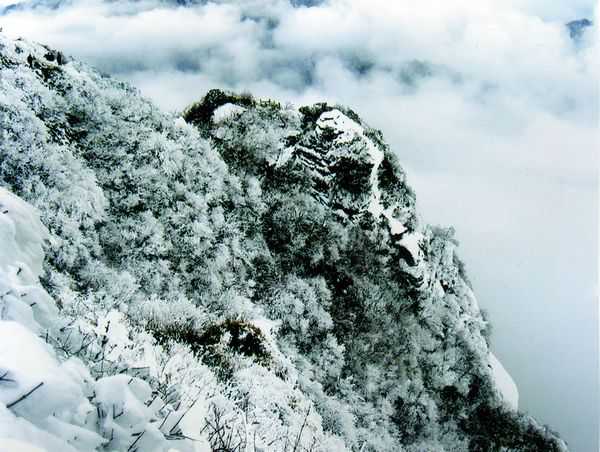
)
(352, 175)
(200, 113)
(311, 113)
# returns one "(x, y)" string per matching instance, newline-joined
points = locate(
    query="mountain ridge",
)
(276, 245)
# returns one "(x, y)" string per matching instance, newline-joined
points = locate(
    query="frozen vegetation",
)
(245, 277)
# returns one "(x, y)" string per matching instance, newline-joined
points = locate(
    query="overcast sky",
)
(490, 106)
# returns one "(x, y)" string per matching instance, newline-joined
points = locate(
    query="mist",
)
(490, 106)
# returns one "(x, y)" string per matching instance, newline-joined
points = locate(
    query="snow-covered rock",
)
(226, 111)
(504, 382)
(346, 131)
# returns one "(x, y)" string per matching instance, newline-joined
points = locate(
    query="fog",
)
(491, 107)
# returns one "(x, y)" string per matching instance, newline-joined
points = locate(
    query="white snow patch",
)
(349, 130)
(504, 382)
(21, 236)
(284, 156)
(180, 123)
(28, 361)
(412, 243)
(192, 422)
(113, 327)
(49, 403)
(42, 401)
(226, 111)
(396, 226)
(13, 445)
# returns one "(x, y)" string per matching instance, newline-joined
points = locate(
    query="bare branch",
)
(24, 396)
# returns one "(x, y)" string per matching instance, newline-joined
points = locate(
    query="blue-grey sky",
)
(491, 107)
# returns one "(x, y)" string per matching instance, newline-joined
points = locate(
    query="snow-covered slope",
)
(247, 277)
(46, 404)
(49, 400)
(504, 382)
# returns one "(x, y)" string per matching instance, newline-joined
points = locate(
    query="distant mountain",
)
(578, 27)
(33, 5)
(55, 4)
(307, 3)
(246, 276)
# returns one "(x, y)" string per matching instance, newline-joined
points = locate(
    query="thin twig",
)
(24, 396)
(3, 377)
(184, 414)
(139, 436)
(301, 429)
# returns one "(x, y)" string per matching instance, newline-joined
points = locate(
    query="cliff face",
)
(262, 268)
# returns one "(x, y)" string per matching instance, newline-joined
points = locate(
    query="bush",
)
(352, 175)
(218, 342)
(311, 113)
(200, 113)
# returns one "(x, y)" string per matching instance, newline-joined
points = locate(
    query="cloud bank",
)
(491, 107)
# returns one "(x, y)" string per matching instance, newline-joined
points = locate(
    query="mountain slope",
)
(274, 253)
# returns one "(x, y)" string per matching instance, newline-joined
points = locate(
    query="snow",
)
(504, 382)
(284, 156)
(27, 365)
(348, 128)
(22, 245)
(41, 399)
(17, 432)
(412, 243)
(115, 333)
(13, 445)
(396, 226)
(348, 131)
(53, 415)
(192, 420)
(226, 111)
(51, 403)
